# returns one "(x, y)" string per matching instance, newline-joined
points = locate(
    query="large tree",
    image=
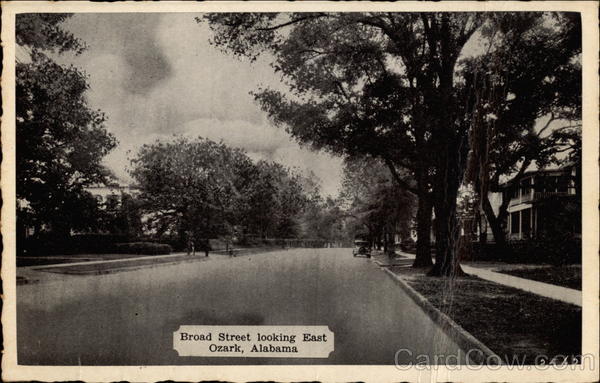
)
(200, 189)
(526, 104)
(60, 139)
(331, 61)
(188, 186)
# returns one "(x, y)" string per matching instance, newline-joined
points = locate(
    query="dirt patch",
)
(516, 325)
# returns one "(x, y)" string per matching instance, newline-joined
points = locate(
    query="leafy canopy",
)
(60, 139)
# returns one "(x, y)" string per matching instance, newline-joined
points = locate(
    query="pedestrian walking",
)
(191, 248)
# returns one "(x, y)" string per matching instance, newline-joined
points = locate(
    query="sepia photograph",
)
(411, 189)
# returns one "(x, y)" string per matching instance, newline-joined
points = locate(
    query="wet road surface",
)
(128, 318)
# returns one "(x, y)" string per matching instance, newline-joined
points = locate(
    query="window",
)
(526, 222)
(515, 219)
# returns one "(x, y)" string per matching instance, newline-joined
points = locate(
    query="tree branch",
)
(291, 22)
(547, 125)
(403, 184)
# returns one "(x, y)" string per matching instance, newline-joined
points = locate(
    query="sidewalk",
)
(547, 290)
(385, 261)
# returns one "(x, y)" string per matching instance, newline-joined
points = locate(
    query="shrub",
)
(146, 248)
(540, 250)
(46, 244)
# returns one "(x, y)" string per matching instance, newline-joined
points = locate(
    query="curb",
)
(462, 337)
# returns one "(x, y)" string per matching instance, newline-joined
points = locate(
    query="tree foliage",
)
(273, 200)
(122, 214)
(380, 84)
(325, 219)
(43, 31)
(379, 210)
(60, 139)
(204, 189)
(527, 84)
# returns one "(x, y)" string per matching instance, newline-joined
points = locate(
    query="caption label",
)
(254, 341)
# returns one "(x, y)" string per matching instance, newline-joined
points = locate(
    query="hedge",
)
(50, 244)
(146, 248)
(529, 251)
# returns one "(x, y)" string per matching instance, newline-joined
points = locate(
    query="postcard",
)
(300, 191)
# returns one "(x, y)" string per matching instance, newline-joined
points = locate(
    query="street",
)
(128, 318)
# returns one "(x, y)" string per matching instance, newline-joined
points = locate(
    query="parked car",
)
(361, 248)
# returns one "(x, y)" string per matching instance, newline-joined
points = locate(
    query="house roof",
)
(548, 170)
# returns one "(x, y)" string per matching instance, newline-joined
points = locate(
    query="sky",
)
(156, 75)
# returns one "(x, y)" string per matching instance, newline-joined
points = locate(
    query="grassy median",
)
(515, 324)
(565, 276)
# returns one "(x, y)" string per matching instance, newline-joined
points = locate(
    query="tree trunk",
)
(446, 238)
(482, 237)
(450, 171)
(423, 256)
(385, 240)
(495, 222)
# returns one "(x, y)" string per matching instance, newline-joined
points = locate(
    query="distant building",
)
(111, 194)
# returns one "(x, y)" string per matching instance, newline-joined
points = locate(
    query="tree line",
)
(403, 88)
(418, 104)
(200, 189)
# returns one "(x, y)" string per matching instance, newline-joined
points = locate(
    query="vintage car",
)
(361, 248)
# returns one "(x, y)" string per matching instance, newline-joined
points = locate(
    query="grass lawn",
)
(566, 276)
(71, 258)
(515, 324)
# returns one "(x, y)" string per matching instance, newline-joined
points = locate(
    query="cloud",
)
(326, 167)
(255, 138)
(148, 67)
(131, 36)
(156, 75)
(157, 72)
